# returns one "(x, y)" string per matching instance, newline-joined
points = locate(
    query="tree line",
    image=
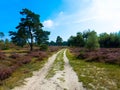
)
(91, 40)
(29, 31)
(59, 42)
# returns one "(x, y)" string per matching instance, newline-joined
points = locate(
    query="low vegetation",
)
(96, 76)
(17, 65)
(104, 55)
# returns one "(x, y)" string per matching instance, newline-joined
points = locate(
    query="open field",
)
(94, 75)
(94, 71)
(104, 55)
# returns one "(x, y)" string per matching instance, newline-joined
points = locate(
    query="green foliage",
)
(92, 41)
(1, 44)
(65, 43)
(18, 38)
(52, 43)
(71, 41)
(6, 44)
(76, 40)
(1, 35)
(41, 37)
(79, 41)
(86, 34)
(59, 41)
(111, 40)
(29, 29)
(44, 47)
(1, 41)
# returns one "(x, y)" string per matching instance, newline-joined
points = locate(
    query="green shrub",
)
(43, 47)
(92, 41)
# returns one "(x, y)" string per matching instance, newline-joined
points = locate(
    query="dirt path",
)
(71, 77)
(62, 80)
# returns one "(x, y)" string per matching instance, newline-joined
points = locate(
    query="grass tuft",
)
(58, 65)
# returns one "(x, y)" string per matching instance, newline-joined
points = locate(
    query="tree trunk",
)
(31, 46)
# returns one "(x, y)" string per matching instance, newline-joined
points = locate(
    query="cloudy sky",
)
(64, 17)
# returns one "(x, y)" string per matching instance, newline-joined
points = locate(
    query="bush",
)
(5, 73)
(54, 48)
(33, 54)
(42, 55)
(82, 56)
(43, 47)
(26, 60)
(14, 67)
(105, 55)
(2, 56)
(14, 56)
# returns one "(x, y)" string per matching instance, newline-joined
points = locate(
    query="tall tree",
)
(1, 35)
(18, 38)
(104, 40)
(1, 40)
(71, 41)
(59, 41)
(111, 40)
(41, 37)
(29, 29)
(7, 43)
(77, 40)
(92, 41)
(52, 43)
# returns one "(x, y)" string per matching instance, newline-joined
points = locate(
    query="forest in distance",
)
(29, 46)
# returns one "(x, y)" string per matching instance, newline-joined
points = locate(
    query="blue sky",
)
(64, 17)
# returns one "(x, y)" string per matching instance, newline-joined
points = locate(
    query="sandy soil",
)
(62, 80)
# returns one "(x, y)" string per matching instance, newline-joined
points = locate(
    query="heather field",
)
(98, 70)
(104, 55)
(15, 65)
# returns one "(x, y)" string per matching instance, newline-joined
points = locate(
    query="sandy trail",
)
(71, 77)
(62, 80)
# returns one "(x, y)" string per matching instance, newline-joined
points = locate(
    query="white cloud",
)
(100, 15)
(106, 9)
(99, 11)
(108, 13)
(48, 24)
